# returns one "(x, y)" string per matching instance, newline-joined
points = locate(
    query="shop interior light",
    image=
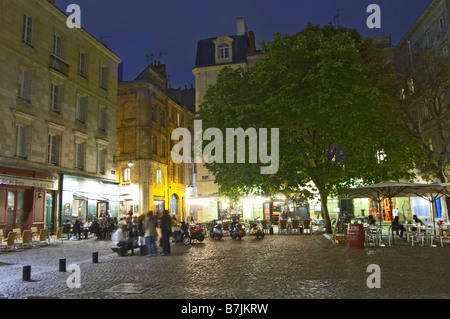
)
(130, 163)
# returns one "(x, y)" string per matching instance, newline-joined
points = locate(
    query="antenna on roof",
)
(161, 53)
(336, 17)
(104, 37)
(149, 59)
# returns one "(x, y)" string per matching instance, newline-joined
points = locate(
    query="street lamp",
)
(130, 163)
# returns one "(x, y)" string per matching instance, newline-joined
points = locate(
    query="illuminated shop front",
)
(83, 197)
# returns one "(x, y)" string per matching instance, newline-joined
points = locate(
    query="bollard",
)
(95, 257)
(62, 265)
(26, 274)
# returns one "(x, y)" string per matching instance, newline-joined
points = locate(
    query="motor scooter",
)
(256, 229)
(197, 233)
(215, 230)
(236, 230)
(182, 235)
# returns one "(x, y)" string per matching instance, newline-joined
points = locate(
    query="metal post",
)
(62, 265)
(95, 257)
(26, 274)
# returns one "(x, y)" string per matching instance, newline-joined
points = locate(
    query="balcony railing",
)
(58, 64)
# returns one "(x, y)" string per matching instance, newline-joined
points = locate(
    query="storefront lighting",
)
(130, 163)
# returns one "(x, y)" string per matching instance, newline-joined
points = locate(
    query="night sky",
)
(133, 29)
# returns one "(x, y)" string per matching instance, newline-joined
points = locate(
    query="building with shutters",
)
(58, 92)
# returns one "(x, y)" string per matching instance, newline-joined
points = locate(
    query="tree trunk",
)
(326, 216)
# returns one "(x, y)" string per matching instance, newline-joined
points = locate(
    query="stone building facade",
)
(425, 93)
(213, 54)
(146, 117)
(58, 92)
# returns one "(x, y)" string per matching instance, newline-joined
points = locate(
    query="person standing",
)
(166, 232)
(150, 234)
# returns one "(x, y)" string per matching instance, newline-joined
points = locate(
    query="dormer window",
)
(224, 51)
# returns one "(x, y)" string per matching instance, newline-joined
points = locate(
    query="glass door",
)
(15, 209)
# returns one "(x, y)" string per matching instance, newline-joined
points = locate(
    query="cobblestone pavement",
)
(277, 266)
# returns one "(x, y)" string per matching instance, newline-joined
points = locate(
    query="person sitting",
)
(119, 239)
(397, 227)
(418, 221)
(86, 228)
(67, 228)
(371, 221)
(95, 228)
(77, 229)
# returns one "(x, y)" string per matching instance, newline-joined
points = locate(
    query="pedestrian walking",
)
(141, 235)
(150, 234)
(166, 232)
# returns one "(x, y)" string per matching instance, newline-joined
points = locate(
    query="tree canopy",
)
(324, 89)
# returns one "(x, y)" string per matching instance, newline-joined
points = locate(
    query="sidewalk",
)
(275, 267)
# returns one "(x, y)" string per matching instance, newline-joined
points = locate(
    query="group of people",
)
(396, 226)
(142, 233)
(77, 229)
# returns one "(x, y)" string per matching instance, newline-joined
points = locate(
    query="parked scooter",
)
(236, 230)
(256, 229)
(182, 235)
(215, 230)
(197, 233)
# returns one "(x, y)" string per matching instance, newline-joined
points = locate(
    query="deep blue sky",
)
(134, 28)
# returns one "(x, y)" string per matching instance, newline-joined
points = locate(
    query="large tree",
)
(322, 89)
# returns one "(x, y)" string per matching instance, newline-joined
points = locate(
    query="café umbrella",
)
(399, 189)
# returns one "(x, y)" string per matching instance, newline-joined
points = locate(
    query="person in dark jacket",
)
(166, 232)
(95, 228)
(397, 227)
(77, 229)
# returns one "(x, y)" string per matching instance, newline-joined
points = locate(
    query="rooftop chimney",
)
(251, 42)
(241, 26)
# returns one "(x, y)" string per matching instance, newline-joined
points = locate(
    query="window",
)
(56, 97)
(15, 209)
(101, 161)
(80, 155)
(24, 85)
(53, 149)
(163, 118)
(102, 119)
(27, 32)
(127, 174)
(57, 46)
(163, 148)
(155, 145)
(180, 174)
(82, 65)
(155, 114)
(103, 77)
(224, 51)
(158, 176)
(429, 39)
(82, 105)
(21, 142)
(441, 26)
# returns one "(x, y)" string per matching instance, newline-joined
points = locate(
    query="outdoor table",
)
(374, 231)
